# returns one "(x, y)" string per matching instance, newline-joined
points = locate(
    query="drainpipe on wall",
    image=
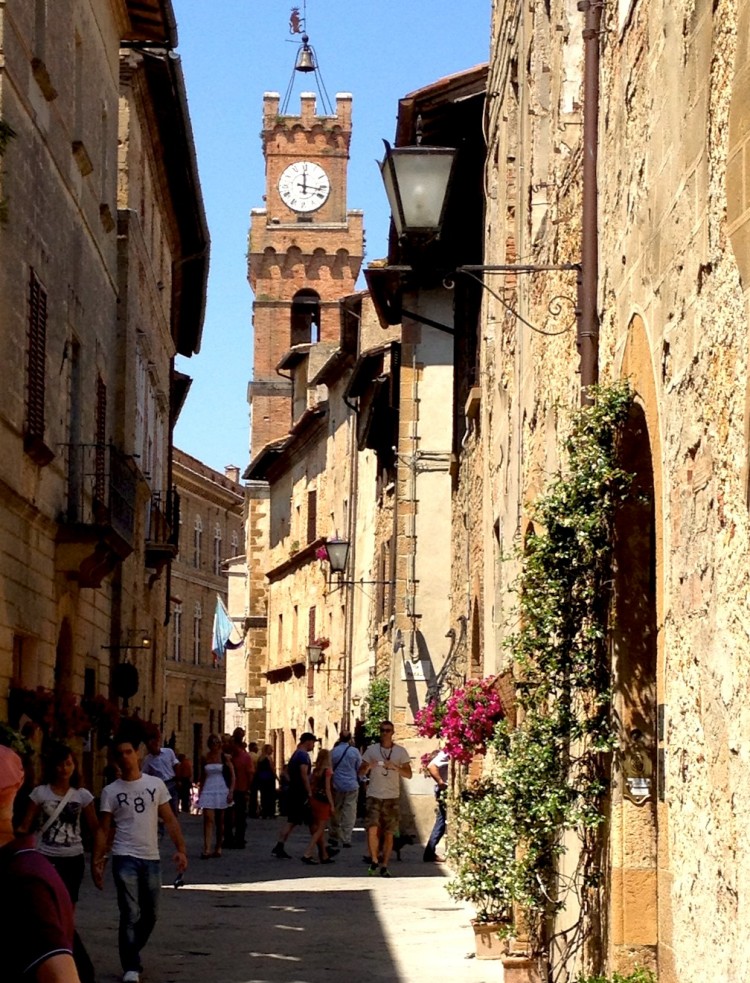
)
(351, 536)
(588, 318)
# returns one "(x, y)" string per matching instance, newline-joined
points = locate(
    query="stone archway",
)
(639, 931)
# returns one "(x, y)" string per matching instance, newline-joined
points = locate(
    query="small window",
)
(197, 618)
(312, 515)
(217, 549)
(197, 542)
(177, 632)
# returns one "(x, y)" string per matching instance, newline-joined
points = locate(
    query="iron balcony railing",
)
(163, 521)
(102, 484)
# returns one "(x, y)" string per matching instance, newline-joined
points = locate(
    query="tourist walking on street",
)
(36, 913)
(385, 763)
(162, 763)
(265, 782)
(299, 794)
(216, 794)
(184, 775)
(321, 803)
(55, 810)
(346, 761)
(135, 803)
(252, 802)
(235, 817)
(438, 769)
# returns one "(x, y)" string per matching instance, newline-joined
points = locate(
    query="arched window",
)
(217, 549)
(197, 536)
(197, 616)
(305, 326)
(177, 632)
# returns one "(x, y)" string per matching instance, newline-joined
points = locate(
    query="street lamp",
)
(337, 551)
(314, 654)
(417, 180)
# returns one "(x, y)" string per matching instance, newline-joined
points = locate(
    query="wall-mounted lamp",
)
(241, 697)
(314, 654)
(417, 181)
(137, 639)
(337, 552)
(356, 700)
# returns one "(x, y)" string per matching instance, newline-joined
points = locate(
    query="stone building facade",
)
(103, 263)
(671, 314)
(212, 534)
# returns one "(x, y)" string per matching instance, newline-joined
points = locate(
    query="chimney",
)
(232, 472)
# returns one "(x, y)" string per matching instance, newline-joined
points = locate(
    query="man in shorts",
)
(298, 796)
(385, 763)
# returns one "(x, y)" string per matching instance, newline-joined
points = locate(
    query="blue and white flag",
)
(223, 628)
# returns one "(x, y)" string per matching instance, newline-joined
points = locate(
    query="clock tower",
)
(305, 249)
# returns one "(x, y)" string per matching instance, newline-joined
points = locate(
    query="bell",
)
(305, 60)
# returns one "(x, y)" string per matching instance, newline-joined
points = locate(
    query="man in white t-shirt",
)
(386, 763)
(135, 803)
(162, 762)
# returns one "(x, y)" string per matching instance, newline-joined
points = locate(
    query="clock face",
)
(304, 186)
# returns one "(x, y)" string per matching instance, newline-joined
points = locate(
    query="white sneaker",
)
(132, 976)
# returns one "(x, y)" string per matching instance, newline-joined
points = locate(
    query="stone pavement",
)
(249, 918)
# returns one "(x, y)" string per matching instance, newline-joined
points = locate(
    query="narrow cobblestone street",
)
(249, 918)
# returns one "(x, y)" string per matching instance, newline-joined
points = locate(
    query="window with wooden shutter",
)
(36, 373)
(310, 639)
(312, 515)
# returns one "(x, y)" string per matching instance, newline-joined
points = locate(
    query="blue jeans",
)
(438, 830)
(138, 884)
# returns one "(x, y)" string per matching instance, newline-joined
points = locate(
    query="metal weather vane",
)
(297, 22)
(306, 61)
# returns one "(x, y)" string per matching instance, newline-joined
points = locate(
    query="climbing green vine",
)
(376, 705)
(549, 772)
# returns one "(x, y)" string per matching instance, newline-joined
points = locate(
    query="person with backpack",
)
(346, 761)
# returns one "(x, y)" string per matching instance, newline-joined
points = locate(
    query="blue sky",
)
(232, 52)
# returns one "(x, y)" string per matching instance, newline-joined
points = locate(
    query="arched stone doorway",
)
(638, 925)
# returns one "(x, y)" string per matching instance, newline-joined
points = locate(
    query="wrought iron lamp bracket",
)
(555, 304)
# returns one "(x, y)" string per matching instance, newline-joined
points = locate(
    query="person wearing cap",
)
(386, 763)
(298, 797)
(36, 913)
